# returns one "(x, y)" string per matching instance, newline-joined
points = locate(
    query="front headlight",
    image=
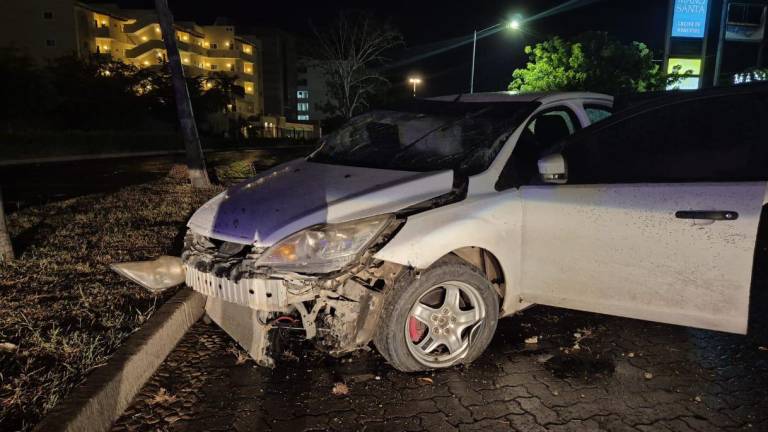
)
(324, 248)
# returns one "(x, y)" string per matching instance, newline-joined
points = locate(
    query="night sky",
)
(428, 22)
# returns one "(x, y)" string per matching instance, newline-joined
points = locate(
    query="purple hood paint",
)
(299, 194)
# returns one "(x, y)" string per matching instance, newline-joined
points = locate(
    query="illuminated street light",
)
(513, 24)
(415, 81)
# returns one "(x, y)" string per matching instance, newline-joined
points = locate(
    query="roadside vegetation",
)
(64, 312)
(592, 61)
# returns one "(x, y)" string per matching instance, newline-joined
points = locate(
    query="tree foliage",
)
(349, 51)
(97, 93)
(592, 61)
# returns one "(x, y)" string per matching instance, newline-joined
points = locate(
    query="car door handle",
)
(714, 215)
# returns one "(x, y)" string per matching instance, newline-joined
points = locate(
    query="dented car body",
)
(418, 228)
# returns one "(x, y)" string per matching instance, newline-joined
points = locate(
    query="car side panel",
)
(489, 221)
(621, 250)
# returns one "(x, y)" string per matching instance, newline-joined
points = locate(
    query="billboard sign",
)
(685, 66)
(689, 18)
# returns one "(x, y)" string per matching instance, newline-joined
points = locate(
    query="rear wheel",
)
(445, 317)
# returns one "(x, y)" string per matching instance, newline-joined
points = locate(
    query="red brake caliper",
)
(416, 329)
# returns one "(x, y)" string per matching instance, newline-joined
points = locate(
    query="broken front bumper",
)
(259, 294)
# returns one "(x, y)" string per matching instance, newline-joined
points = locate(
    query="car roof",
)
(660, 98)
(511, 96)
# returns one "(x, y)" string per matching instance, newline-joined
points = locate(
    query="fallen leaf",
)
(648, 375)
(630, 355)
(8, 347)
(162, 397)
(426, 380)
(762, 348)
(697, 398)
(340, 389)
(533, 340)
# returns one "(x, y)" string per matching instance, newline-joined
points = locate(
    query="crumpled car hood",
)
(299, 194)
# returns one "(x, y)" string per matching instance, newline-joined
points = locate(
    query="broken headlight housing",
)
(324, 248)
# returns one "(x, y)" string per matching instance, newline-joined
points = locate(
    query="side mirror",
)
(552, 169)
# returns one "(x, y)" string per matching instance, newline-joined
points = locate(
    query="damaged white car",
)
(418, 228)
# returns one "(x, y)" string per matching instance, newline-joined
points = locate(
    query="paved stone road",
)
(587, 372)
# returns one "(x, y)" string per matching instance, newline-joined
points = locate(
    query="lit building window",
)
(303, 117)
(303, 106)
(249, 88)
(302, 94)
(247, 49)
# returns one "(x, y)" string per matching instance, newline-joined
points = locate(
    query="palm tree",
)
(195, 159)
(6, 249)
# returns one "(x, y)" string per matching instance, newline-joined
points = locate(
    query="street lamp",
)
(514, 24)
(415, 81)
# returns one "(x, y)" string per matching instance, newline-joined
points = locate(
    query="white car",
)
(419, 228)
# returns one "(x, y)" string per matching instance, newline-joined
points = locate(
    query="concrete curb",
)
(109, 390)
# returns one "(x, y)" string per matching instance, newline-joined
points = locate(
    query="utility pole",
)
(198, 175)
(6, 248)
(474, 52)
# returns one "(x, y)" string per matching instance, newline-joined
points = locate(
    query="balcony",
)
(193, 48)
(102, 32)
(144, 48)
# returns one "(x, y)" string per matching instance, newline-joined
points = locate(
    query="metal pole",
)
(474, 51)
(668, 39)
(720, 43)
(761, 53)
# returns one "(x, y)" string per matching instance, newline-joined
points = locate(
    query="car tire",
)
(403, 337)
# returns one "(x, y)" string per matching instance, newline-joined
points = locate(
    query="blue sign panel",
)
(689, 18)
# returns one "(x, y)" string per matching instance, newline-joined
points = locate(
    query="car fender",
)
(491, 222)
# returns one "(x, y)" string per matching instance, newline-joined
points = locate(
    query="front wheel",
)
(444, 317)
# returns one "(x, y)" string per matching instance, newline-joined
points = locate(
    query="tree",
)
(6, 249)
(349, 51)
(592, 61)
(195, 159)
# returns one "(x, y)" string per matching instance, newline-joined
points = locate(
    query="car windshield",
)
(426, 136)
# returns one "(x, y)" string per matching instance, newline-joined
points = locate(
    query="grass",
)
(62, 307)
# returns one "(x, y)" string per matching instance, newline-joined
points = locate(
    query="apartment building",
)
(47, 29)
(311, 91)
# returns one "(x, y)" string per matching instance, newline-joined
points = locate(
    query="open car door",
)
(657, 216)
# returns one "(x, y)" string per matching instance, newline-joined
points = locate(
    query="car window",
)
(721, 138)
(595, 113)
(542, 132)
